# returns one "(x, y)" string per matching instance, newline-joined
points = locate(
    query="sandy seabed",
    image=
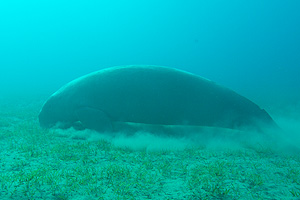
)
(69, 164)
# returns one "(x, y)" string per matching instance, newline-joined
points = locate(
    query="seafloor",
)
(56, 164)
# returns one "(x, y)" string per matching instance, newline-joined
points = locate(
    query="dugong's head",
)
(60, 110)
(57, 111)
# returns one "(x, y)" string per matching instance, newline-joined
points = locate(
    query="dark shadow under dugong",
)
(149, 95)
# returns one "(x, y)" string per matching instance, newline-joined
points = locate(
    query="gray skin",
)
(149, 95)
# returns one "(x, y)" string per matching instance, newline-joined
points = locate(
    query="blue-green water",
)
(252, 47)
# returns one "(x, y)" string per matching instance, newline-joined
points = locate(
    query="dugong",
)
(149, 95)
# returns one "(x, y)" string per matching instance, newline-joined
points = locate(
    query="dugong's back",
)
(155, 95)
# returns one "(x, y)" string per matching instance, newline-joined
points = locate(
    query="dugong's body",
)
(149, 95)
